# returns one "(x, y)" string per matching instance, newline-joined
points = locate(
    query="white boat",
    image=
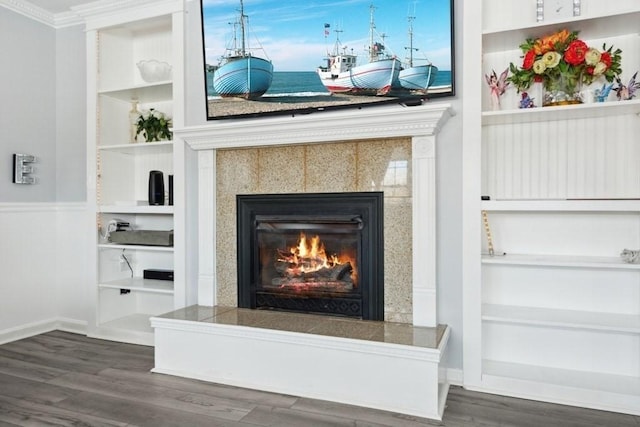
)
(240, 74)
(416, 78)
(342, 74)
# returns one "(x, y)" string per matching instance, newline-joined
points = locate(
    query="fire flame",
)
(309, 256)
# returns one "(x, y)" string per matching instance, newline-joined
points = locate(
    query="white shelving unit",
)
(118, 37)
(554, 314)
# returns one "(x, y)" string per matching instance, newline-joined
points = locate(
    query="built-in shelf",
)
(566, 112)
(548, 317)
(139, 284)
(567, 261)
(144, 93)
(137, 247)
(137, 209)
(605, 26)
(159, 147)
(604, 205)
(134, 323)
(603, 382)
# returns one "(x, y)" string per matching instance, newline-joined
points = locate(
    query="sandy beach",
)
(219, 108)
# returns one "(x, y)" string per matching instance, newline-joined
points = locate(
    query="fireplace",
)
(314, 253)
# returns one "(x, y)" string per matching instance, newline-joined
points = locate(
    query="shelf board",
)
(538, 316)
(575, 205)
(159, 147)
(616, 24)
(602, 382)
(144, 93)
(136, 247)
(137, 323)
(565, 112)
(566, 261)
(137, 209)
(139, 284)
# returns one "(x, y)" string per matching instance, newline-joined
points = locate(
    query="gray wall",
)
(28, 106)
(42, 108)
(71, 110)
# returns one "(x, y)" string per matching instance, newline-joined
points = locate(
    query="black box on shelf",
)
(157, 274)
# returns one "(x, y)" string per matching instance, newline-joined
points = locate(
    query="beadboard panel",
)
(574, 159)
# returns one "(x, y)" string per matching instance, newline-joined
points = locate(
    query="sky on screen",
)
(293, 34)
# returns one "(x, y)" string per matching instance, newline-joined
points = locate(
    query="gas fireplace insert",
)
(313, 253)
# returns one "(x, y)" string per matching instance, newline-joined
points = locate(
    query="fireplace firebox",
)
(314, 253)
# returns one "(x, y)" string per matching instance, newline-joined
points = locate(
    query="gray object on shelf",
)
(142, 237)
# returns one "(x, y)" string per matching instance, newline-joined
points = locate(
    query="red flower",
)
(538, 78)
(529, 59)
(574, 55)
(590, 69)
(606, 58)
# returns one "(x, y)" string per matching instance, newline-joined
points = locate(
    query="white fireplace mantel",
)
(195, 160)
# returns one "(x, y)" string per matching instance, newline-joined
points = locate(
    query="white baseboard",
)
(37, 328)
(455, 376)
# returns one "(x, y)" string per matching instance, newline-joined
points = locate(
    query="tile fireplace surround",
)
(183, 344)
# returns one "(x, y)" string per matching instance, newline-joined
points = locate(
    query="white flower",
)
(551, 59)
(600, 68)
(539, 66)
(592, 57)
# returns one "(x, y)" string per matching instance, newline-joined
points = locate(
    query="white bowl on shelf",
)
(152, 70)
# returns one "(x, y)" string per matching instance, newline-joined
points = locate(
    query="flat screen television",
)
(267, 57)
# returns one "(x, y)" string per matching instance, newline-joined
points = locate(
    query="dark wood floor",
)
(65, 379)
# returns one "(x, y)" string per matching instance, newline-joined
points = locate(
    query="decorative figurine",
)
(603, 94)
(526, 101)
(497, 85)
(625, 93)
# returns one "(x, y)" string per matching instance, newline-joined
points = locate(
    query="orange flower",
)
(547, 44)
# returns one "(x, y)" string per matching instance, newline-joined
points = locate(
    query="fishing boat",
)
(342, 74)
(416, 78)
(240, 74)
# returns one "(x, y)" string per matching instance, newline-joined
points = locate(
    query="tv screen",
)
(266, 57)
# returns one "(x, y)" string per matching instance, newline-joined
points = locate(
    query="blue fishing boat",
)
(240, 74)
(416, 78)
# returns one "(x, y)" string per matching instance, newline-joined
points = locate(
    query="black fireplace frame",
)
(367, 205)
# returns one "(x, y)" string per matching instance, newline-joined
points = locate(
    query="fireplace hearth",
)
(313, 253)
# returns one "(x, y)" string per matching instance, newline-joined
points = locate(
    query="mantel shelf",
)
(568, 112)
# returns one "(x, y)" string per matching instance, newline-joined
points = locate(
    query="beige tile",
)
(236, 171)
(385, 165)
(398, 265)
(330, 168)
(281, 170)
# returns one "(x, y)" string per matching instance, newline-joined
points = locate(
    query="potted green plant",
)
(153, 125)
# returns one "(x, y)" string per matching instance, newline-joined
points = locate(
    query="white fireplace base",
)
(392, 377)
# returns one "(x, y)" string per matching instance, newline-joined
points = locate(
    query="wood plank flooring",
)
(63, 379)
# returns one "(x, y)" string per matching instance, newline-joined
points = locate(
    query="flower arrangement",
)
(153, 125)
(564, 62)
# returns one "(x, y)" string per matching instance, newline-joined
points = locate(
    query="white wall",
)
(449, 176)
